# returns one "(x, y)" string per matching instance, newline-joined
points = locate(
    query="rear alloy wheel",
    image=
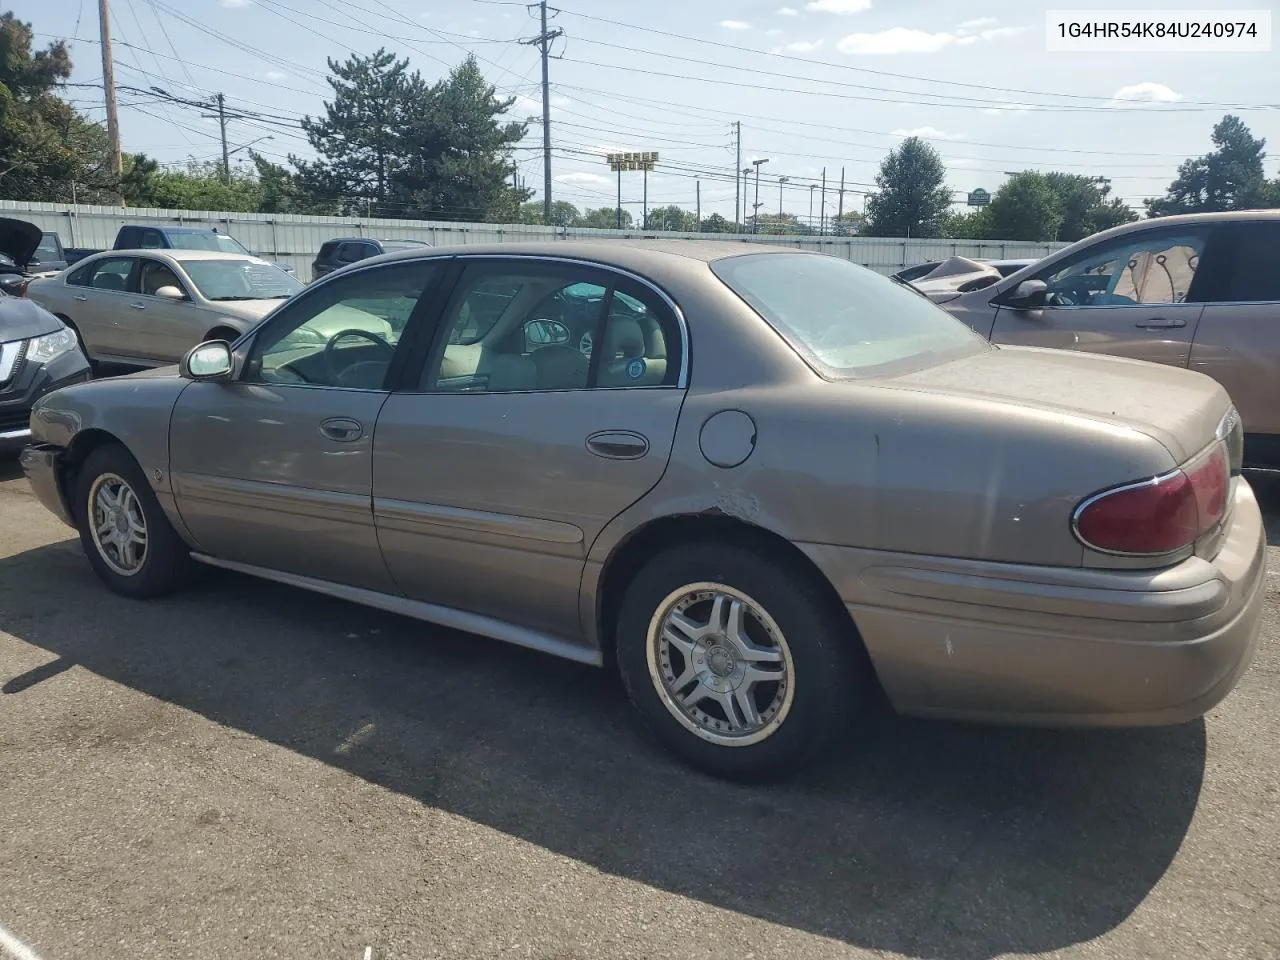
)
(739, 664)
(124, 532)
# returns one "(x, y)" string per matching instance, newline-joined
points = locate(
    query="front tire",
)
(741, 665)
(125, 534)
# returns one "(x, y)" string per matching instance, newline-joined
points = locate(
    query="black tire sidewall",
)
(166, 555)
(829, 680)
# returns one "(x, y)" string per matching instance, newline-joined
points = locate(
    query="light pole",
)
(746, 172)
(781, 181)
(755, 226)
(246, 146)
(812, 187)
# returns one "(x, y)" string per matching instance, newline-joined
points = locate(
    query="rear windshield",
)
(845, 320)
(206, 241)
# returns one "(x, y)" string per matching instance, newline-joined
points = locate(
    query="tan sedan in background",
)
(760, 480)
(1200, 291)
(149, 307)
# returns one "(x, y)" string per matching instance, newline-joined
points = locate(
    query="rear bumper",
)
(1059, 647)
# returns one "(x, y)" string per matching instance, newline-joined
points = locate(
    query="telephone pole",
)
(840, 205)
(109, 87)
(543, 42)
(697, 184)
(222, 125)
(737, 182)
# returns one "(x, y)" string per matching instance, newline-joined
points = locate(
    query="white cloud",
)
(974, 24)
(775, 32)
(788, 12)
(1005, 110)
(838, 6)
(800, 46)
(928, 133)
(276, 75)
(899, 40)
(582, 178)
(735, 24)
(235, 4)
(1146, 92)
(997, 32)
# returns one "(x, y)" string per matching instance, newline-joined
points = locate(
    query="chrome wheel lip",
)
(654, 644)
(114, 514)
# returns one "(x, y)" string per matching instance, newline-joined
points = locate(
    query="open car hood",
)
(19, 239)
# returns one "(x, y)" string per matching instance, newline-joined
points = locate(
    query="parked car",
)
(44, 258)
(171, 237)
(1199, 291)
(846, 487)
(343, 250)
(37, 351)
(150, 307)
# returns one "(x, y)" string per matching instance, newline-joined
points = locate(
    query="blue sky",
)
(972, 76)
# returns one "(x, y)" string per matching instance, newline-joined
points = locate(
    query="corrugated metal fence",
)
(296, 239)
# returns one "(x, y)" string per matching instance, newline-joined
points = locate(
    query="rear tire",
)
(737, 663)
(124, 532)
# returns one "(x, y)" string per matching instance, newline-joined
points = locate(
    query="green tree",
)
(282, 190)
(913, 197)
(672, 218)
(606, 218)
(563, 213)
(972, 225)
(1026, 207)
(1229, 177)
(48, 151)
(1086, 206)
(772, 223)
(200, 186)
(455, 151)
(718, 224)
(845, 224)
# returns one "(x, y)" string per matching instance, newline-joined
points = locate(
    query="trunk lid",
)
(19, 240)
(1178, 408)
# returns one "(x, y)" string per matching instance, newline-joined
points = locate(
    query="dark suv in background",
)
(343, 250)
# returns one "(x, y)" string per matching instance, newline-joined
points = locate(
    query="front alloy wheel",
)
(118, 525)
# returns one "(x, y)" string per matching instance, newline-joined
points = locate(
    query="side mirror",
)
(545, 332)
(210, 360)
(170, 292)
(1028, 295)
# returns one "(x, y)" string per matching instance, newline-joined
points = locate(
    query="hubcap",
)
(117, 524)
(720, 664)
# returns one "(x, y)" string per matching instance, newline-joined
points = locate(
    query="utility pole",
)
(644, 224)
(109, 87)
(222, 125)
(822, 210)
(755, 209)
(619, 197)
(698, 186)
(543, 42)
(840, 205)
(737, 183)
(812, 187)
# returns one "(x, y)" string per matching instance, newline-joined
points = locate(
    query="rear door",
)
(102, 311)
(1132, 296)
(545, 406)
(1238, 342)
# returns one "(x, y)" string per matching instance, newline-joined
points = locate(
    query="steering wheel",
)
(331, 368)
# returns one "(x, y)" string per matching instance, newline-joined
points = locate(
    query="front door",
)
(275, 469)
(546, 406)
(1130, 296)
(165, 329)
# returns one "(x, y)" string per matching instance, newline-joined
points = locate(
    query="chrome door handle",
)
(81, 298)
(342, 429)
(138, 306)
(1161, 323)
(618, 444)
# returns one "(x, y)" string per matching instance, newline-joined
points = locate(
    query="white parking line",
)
(11, 946)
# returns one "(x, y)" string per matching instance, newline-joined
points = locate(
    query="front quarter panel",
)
(134, 410)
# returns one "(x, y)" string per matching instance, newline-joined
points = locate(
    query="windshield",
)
(845, 320)
(247, 279)
(48, 249)
(207, 241)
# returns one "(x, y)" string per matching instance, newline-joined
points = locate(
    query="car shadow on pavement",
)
(927, 839)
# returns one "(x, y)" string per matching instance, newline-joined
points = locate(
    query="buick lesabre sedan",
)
(761, 481)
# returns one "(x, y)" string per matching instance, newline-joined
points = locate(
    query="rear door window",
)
(112, 274)
(1243, 264)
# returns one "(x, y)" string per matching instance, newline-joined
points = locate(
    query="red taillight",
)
(1159, 515)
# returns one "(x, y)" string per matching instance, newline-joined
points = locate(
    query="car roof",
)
(177, 253)
(629, 254)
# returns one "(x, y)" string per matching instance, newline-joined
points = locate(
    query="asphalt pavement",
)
(247, 770)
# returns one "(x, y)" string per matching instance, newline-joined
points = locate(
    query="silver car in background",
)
(149, 307)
